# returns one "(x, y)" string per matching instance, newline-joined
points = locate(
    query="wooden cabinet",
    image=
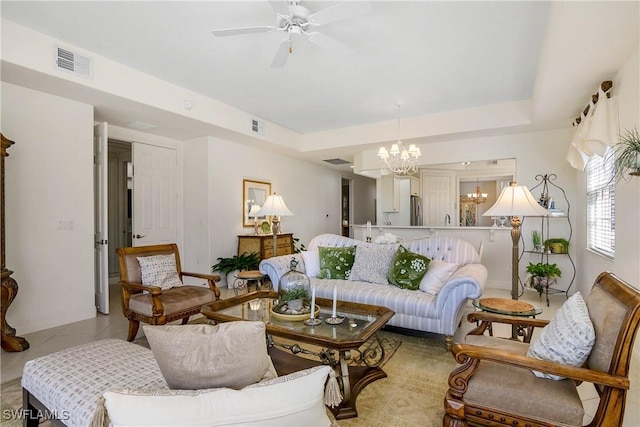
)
(263, 244)
(389, 193)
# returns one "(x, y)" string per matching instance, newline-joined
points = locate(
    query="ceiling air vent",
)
(337, 161)
(257, 126)
(73, 62)
(492, 162)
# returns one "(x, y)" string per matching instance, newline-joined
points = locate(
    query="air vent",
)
(492, 162)
(73, 62)
(257, 126)
(337, 161)
(140, 125)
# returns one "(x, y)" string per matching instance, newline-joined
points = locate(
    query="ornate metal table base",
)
(354, 369)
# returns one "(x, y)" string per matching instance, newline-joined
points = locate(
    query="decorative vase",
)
(294, 287)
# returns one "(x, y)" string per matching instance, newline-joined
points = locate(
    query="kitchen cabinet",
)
(390, 193)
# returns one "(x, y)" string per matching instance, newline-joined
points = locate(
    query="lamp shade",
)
(254, 211)
(274, 205)
(516, 200)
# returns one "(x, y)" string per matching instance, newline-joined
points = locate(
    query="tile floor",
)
(115, 325)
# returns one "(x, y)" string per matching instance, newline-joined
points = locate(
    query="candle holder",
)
(312, 322)
(334, 320)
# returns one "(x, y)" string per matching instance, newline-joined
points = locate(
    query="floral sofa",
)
(437, 308)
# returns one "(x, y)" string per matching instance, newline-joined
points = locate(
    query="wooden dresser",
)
(263, 244)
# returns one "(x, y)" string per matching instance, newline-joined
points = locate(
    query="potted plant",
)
(543, 275)
(557, 245)
(537, 240)
(230, 266)
(627, 152)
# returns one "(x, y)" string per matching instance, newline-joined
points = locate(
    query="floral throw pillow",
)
(336, 263)
(407, 269)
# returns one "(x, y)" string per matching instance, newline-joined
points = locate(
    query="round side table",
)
(509, 307)
(244, 279)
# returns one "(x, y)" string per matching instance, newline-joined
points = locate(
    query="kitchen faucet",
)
(447, 219)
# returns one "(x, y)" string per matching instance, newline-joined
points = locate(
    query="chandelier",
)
(477, 197)
(398, 159)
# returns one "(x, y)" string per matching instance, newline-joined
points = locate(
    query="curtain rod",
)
(605, 86)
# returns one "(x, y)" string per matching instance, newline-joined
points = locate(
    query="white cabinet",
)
(389, 193)
(414, 186)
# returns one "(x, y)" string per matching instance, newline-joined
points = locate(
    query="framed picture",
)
(254, 193)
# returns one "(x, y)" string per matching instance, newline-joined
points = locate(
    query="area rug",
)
(411, 395)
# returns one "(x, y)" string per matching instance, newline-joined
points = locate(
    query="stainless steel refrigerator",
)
(415, 210)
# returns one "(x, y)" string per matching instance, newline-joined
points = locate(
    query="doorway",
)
(346, 207)
(120, 192)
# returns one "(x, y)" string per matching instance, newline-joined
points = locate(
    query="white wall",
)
(214, 170)
(48, 179)
(626, 86)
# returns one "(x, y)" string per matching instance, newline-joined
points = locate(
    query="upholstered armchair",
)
(163, 298)
(495, 386)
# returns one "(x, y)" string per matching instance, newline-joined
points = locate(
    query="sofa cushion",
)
(567, 339)
(336, 263)
(159, 270)
(292, 400)
(311, 263)
(407, 269)
(372, 263)
(436, 276)
(230, 354)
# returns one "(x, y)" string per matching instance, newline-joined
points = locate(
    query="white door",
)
(101, 232)
(436, 199)
(154, 195)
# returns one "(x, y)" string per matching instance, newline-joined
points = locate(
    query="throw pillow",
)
(311, 263)
(567, 339)
(436, 276)
(336, 263)
(407, 269)
(372, 263)
(292, 400)
(230, 354)
(159, 270)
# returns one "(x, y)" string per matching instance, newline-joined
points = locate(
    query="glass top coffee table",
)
(360, 324)
(509, 307)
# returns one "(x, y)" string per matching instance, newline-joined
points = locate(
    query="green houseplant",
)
(543, 275)
(536, 238)
(627, 155)
(230, 265)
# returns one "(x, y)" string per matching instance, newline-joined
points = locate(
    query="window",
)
(601, 206)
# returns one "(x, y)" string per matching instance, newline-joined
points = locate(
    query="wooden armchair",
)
(157, 306)
(494, 386)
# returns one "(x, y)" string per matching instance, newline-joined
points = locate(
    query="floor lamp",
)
(515, 201)
(274, 206)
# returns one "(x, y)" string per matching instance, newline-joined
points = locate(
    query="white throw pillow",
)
(292, 400)
(437, 275)
(567, 339)
(372, 263)
(192, 357)
(311, 263)
(159, 270)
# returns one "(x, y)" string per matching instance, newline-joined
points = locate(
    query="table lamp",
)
(274, 206)
(515, 201)
(253, 213)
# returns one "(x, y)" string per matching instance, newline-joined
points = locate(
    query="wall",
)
(53, 268)
(363, 199)
(311, 192)
(626, 86)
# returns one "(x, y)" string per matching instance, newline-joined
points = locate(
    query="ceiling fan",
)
(295, 20)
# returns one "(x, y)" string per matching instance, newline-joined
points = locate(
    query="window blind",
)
(601, 218)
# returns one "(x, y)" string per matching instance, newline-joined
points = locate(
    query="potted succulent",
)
(543, 275)
(230, 266)
(627, 152)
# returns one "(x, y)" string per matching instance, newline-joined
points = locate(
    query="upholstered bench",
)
(66, 385)
(115, 382)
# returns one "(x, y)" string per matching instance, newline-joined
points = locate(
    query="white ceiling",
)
(430, 57)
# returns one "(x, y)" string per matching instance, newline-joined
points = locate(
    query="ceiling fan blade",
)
(242, 30)
(340, 11)
(281, 55)
(280, 6)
